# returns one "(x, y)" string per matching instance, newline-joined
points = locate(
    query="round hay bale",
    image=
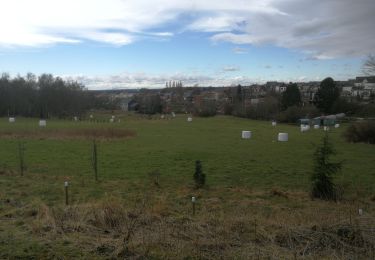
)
(190, 119)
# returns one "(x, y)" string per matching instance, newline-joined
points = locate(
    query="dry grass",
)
(150, 230)
(81, 133)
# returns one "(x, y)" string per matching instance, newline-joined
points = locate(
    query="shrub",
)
(199, 176)
(265, 110)
(341, 105)
(206, 109)
(361, 132)
(324, 171)
(292, 114)
(367, 110)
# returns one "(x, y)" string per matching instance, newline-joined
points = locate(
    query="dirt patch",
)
(82, 133)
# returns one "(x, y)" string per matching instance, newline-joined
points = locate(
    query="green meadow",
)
(241, 175)
(172, 146)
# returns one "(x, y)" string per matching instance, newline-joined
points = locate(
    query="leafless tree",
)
(369, 66)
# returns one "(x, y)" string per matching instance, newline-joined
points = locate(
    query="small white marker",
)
(360, 212)
(66, 184)
(193, 199)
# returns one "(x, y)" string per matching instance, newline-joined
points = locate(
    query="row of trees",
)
(44, 96)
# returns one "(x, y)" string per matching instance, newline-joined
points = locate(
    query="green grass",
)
(172, 146)
(239, 173)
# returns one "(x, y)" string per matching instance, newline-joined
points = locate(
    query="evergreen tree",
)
(199, 176)
(323, 186)
(326, 96)
(291, 96)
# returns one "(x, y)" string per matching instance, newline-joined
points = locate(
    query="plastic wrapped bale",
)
(246, 134)
(326, 128)
(274, 123)
(283, 137)
(162, 116)
(75, 118)
(316, 126)
(190, 119)
(12, 119)
(337, 125)
(304, 128)
(111, 120)
(42, 123)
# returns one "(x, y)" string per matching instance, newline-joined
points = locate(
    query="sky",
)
(108, 44)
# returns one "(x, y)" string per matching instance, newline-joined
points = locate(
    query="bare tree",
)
(369, 66)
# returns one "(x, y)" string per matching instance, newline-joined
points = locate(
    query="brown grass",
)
(113, 229)
(82, 133)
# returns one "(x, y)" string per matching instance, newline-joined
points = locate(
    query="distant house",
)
(364, 87)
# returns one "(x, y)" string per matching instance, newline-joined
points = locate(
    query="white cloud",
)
(320, 28)
(239, 50)
(144, 80)
(230, 69)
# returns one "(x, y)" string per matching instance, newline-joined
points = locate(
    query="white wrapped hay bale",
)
(190, 119)
(326, 128)
(274, 123)
(337, 125)
(111, 120)
(113, 117)
(162, 116)
(42, 123)
(75, 118)
(305, 128)
(283, 137)
(316, 126)
(91, 116)
(246, 134)
(12, 119)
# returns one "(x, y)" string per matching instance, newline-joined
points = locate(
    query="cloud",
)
(319, 28)
(230, 69)
(268, 67)
(239, 50)
(145, 80)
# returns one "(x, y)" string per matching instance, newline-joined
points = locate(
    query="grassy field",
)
(252, 183)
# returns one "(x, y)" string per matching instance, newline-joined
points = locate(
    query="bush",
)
(361, 132)
(265, 110)
(324, 170)
(341, 105)
(292, 114)
(206, 109)
(367, 110)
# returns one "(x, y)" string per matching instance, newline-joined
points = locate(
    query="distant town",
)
(175, 95)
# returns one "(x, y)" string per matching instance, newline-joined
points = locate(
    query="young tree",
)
(199, 176)
(291, 96)
(326, 96)
(324, 170)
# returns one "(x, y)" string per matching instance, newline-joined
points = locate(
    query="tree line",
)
(44, 96)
